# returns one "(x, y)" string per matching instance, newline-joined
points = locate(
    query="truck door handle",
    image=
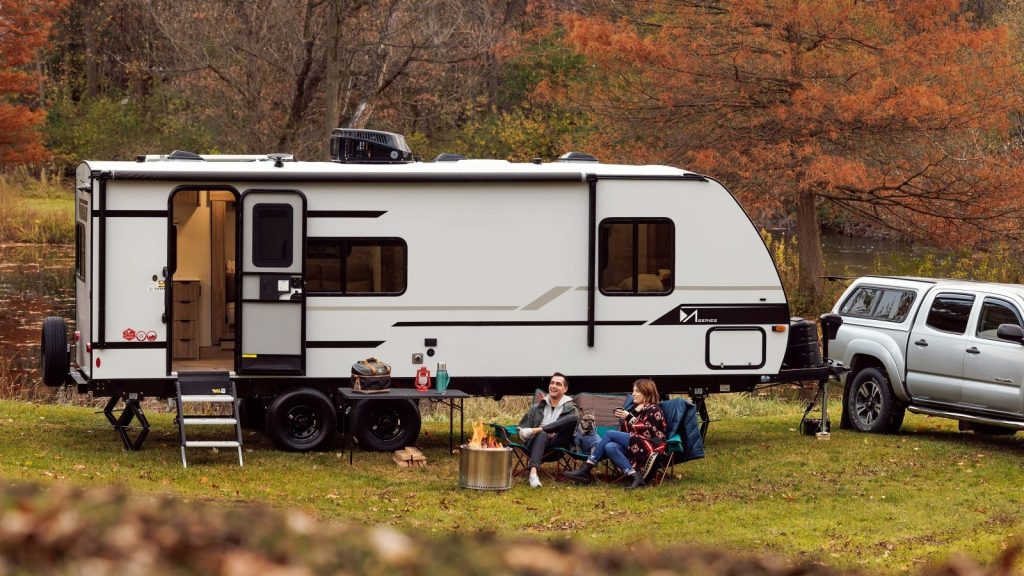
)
(921, 342)
(973, 350)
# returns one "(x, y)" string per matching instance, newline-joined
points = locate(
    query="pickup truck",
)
(946, 348)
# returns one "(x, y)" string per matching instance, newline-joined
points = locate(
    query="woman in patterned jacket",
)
(642, 435)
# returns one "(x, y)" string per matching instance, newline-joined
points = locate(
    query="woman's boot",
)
(581, 474)
(638, 481)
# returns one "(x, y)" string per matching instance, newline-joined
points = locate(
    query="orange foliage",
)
(24, 28)
(898, 113)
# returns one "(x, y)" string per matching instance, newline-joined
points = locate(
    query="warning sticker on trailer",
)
(725, 314)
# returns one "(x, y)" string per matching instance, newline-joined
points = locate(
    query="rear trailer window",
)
(887, 304)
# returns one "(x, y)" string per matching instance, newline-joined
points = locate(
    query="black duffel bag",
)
(371, 375)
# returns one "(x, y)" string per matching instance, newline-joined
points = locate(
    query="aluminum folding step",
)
(206, 388)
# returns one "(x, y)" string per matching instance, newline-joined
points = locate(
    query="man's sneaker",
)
(534, 481)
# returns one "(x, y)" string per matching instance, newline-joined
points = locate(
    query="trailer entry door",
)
(272, 331)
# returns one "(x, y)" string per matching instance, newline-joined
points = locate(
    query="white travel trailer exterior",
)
(281, 274)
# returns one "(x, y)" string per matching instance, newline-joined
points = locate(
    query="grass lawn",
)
(877, 503)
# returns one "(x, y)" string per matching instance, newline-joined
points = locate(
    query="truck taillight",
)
(88, 347)
(78, 336)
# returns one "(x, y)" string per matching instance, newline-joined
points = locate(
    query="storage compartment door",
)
(735, 348)
(272, 331)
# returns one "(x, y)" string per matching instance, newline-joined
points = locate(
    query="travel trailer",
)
(280, 274)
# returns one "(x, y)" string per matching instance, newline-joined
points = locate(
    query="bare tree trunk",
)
(332, 105)
(809, 246)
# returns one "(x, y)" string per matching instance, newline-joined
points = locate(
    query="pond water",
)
(38, 280)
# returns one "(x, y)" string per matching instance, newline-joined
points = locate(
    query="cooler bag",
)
(371, 375)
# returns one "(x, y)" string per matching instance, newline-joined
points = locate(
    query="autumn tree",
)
(24, 27)
(897, 113)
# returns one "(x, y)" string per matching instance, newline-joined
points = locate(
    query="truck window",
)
(637, 256)
(949, 312)
(993, 313)
(356, 266)
(887, 304)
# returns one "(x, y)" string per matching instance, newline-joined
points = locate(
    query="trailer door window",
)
(637, 256)
(272, 235)
(80, 250)
(356, 266)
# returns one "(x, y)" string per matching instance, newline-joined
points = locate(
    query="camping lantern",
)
(423, 379)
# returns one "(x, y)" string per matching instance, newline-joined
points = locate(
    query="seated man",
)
(549, 424)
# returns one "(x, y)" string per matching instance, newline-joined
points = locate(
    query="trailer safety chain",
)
(132, 410)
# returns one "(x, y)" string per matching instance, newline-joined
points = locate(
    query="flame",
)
(482, 438)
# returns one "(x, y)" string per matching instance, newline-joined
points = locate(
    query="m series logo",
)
(688, 317)
(739, 314)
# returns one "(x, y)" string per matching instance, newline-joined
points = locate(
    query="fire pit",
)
(484, 464)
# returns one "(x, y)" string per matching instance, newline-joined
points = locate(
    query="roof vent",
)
(369, 147)
(576, 157)
(449, 157)
(183, 155)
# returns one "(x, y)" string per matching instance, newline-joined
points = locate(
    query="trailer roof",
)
(266, 168)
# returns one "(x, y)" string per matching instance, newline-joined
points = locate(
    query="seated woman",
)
(642, 433)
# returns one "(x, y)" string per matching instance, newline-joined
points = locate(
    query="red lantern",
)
(423, 379)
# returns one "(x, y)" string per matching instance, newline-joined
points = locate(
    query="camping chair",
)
(603, 407)
(685, 439)
(509, 436)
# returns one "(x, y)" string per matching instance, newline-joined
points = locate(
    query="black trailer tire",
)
(990, 430)
(386, 425)
(871, 404)
(253, 413)
(55, 362)
(301, 420)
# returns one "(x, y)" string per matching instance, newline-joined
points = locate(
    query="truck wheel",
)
(55, 362)
(871, 404)
(386, 425)
(301, 420)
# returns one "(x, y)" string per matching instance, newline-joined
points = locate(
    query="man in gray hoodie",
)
(549, 424)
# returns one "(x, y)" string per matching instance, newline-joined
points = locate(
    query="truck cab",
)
(945, 348)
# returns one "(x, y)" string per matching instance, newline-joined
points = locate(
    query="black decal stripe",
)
(129, 213)
(343, 343)
(346, 213)
(128, 345)
(724, 314)
(525, 323)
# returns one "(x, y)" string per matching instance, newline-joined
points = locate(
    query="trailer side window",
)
(80, 250)
(356, 266)
(272, 235)
(637, 256)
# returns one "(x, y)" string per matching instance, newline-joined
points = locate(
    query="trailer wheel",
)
(871, 404)
(55, 360)
(386, 425)
(301, 420)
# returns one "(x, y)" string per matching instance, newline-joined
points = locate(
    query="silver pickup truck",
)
(946, 348)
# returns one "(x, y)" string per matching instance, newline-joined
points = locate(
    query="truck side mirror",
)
(830, 324)
(1010, 332)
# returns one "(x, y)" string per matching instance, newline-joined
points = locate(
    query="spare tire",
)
(386, 425)
(55, 356)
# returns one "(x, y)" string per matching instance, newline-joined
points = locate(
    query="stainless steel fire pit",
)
(485, 468)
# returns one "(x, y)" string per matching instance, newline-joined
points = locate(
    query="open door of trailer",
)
(272, 318)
